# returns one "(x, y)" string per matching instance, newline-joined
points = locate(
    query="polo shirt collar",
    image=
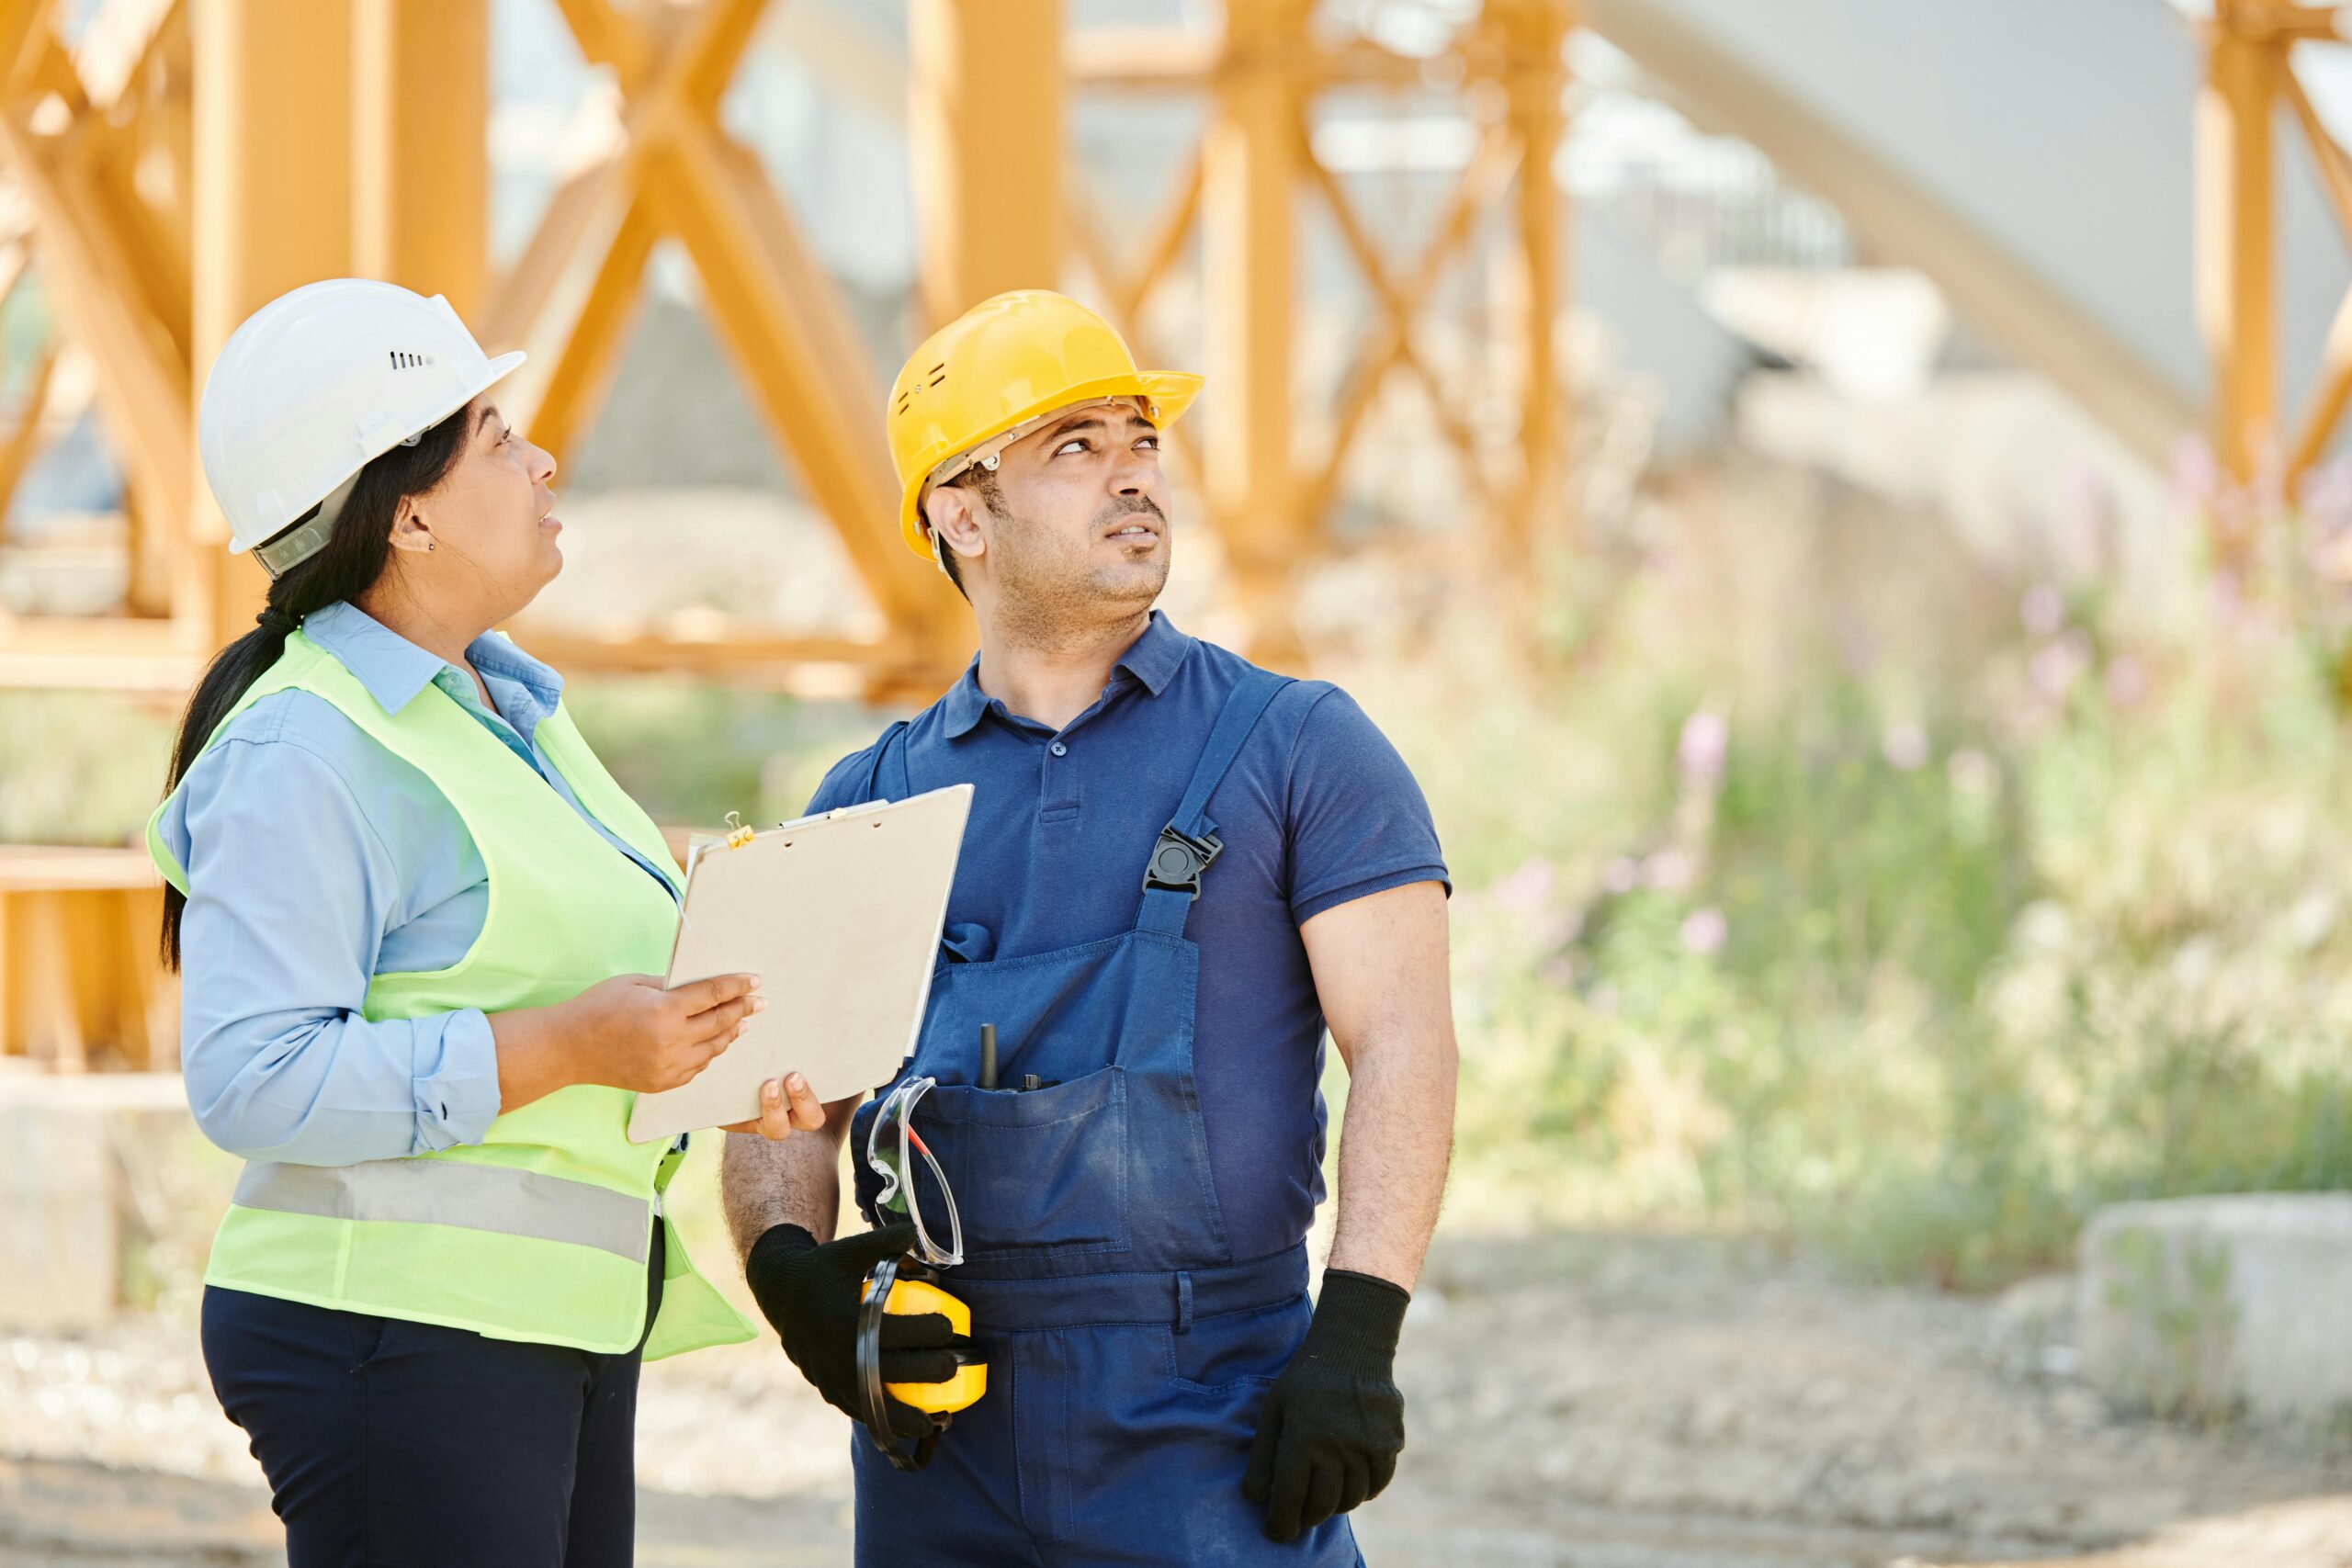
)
(1155, 656)
(965, 704)
(1152, 659)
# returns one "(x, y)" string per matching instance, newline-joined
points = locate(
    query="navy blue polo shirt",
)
(1318, 810)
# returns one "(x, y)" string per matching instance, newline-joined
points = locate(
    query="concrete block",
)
(60, 1238)
(2211, 1306)
(79, 1182)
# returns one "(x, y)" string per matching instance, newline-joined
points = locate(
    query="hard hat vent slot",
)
(938, 374)
(904, 399)
(403, 360)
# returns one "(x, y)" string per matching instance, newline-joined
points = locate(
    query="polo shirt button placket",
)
(1057, 799)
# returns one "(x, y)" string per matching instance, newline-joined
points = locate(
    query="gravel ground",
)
(1603, 1401)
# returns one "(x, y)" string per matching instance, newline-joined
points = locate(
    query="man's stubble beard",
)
(1041, 600)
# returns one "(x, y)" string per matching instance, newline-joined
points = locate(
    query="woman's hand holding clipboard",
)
(840, 917)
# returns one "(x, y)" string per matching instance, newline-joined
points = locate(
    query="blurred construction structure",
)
(177, 164)
(1358, 216)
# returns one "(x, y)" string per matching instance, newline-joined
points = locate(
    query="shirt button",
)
(1059, 749)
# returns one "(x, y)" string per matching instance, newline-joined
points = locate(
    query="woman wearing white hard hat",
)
(419, 928)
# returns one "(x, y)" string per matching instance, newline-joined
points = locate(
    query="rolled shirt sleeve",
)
(291, 890)
(1359, 823)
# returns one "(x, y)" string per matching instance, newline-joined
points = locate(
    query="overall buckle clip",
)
(1178, 860)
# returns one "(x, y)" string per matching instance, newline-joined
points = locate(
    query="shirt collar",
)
(395, 669)
(965, 704)
(1152, 659)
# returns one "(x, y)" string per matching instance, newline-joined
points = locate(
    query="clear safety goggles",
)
(891, 1145)
(988, 454)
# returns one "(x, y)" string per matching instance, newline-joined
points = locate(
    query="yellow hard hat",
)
(1000, 364)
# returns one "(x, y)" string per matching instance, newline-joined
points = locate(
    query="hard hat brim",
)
(496, 371)
(1170, 391)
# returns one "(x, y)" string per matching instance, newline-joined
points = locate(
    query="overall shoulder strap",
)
(1188, 843)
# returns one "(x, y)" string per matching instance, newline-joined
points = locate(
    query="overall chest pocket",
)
(1039, 1173)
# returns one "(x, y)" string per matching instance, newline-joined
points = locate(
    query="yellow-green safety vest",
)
(542, 1231)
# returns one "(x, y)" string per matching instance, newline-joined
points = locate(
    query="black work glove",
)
(1334, 1421)
(811, 1293)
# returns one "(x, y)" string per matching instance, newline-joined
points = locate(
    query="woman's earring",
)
(430, 547)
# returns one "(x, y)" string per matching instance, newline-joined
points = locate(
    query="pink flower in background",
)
(1669, 871)
(2127, 680)
(2043, 609)
(2326, 493)
(2195, 474)
(1706, 738)
(1621, 874)
(1704, 931)
(1905, 746)
(1526, 890)
(2056, 668)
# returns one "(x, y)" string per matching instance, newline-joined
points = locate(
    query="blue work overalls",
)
(1128, 1353)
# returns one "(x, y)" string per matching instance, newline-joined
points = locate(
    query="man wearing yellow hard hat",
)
(1180, 868)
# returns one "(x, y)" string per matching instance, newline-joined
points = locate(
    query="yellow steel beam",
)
(772, 306)
(608, 39)
(2324, 410)
(1533, 35)
(1249, 274)
(1145, 59)
(122, 43)
(984, 127)
(23, 439)
(272, 208)
(1490, 167)
(2281, 21)
(100, 150)
(573, 294)
(778, 313)
(91, 279)
(1124, 291)
(420, 110)
(154, 242)
(581, 365)
(117, 274)
(2237, 306)
(1400, 306)
(1164, 239)
(24, 29)
(690, 72)
(15, 265)
(579, 218)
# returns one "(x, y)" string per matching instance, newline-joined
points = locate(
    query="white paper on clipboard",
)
(840, 917)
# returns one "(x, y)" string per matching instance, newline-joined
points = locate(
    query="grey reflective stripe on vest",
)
(448, 1193)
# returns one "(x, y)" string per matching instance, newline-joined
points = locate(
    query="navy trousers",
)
(391, 1444)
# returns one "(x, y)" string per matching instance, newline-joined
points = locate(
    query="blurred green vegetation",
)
(1914, 926)
(1820, 874)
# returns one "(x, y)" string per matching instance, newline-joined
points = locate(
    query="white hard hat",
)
(314, 385)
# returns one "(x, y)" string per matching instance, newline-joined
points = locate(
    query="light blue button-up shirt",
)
(315, 861)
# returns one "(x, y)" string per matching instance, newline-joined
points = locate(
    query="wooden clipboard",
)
(840, 917)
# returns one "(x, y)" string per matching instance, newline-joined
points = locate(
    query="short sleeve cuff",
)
(456, 1080)
(1307, 905)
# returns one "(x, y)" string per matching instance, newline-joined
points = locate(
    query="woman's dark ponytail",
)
(354, 557)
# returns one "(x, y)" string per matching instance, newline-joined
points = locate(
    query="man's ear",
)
(953, 514)
(410, 529)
